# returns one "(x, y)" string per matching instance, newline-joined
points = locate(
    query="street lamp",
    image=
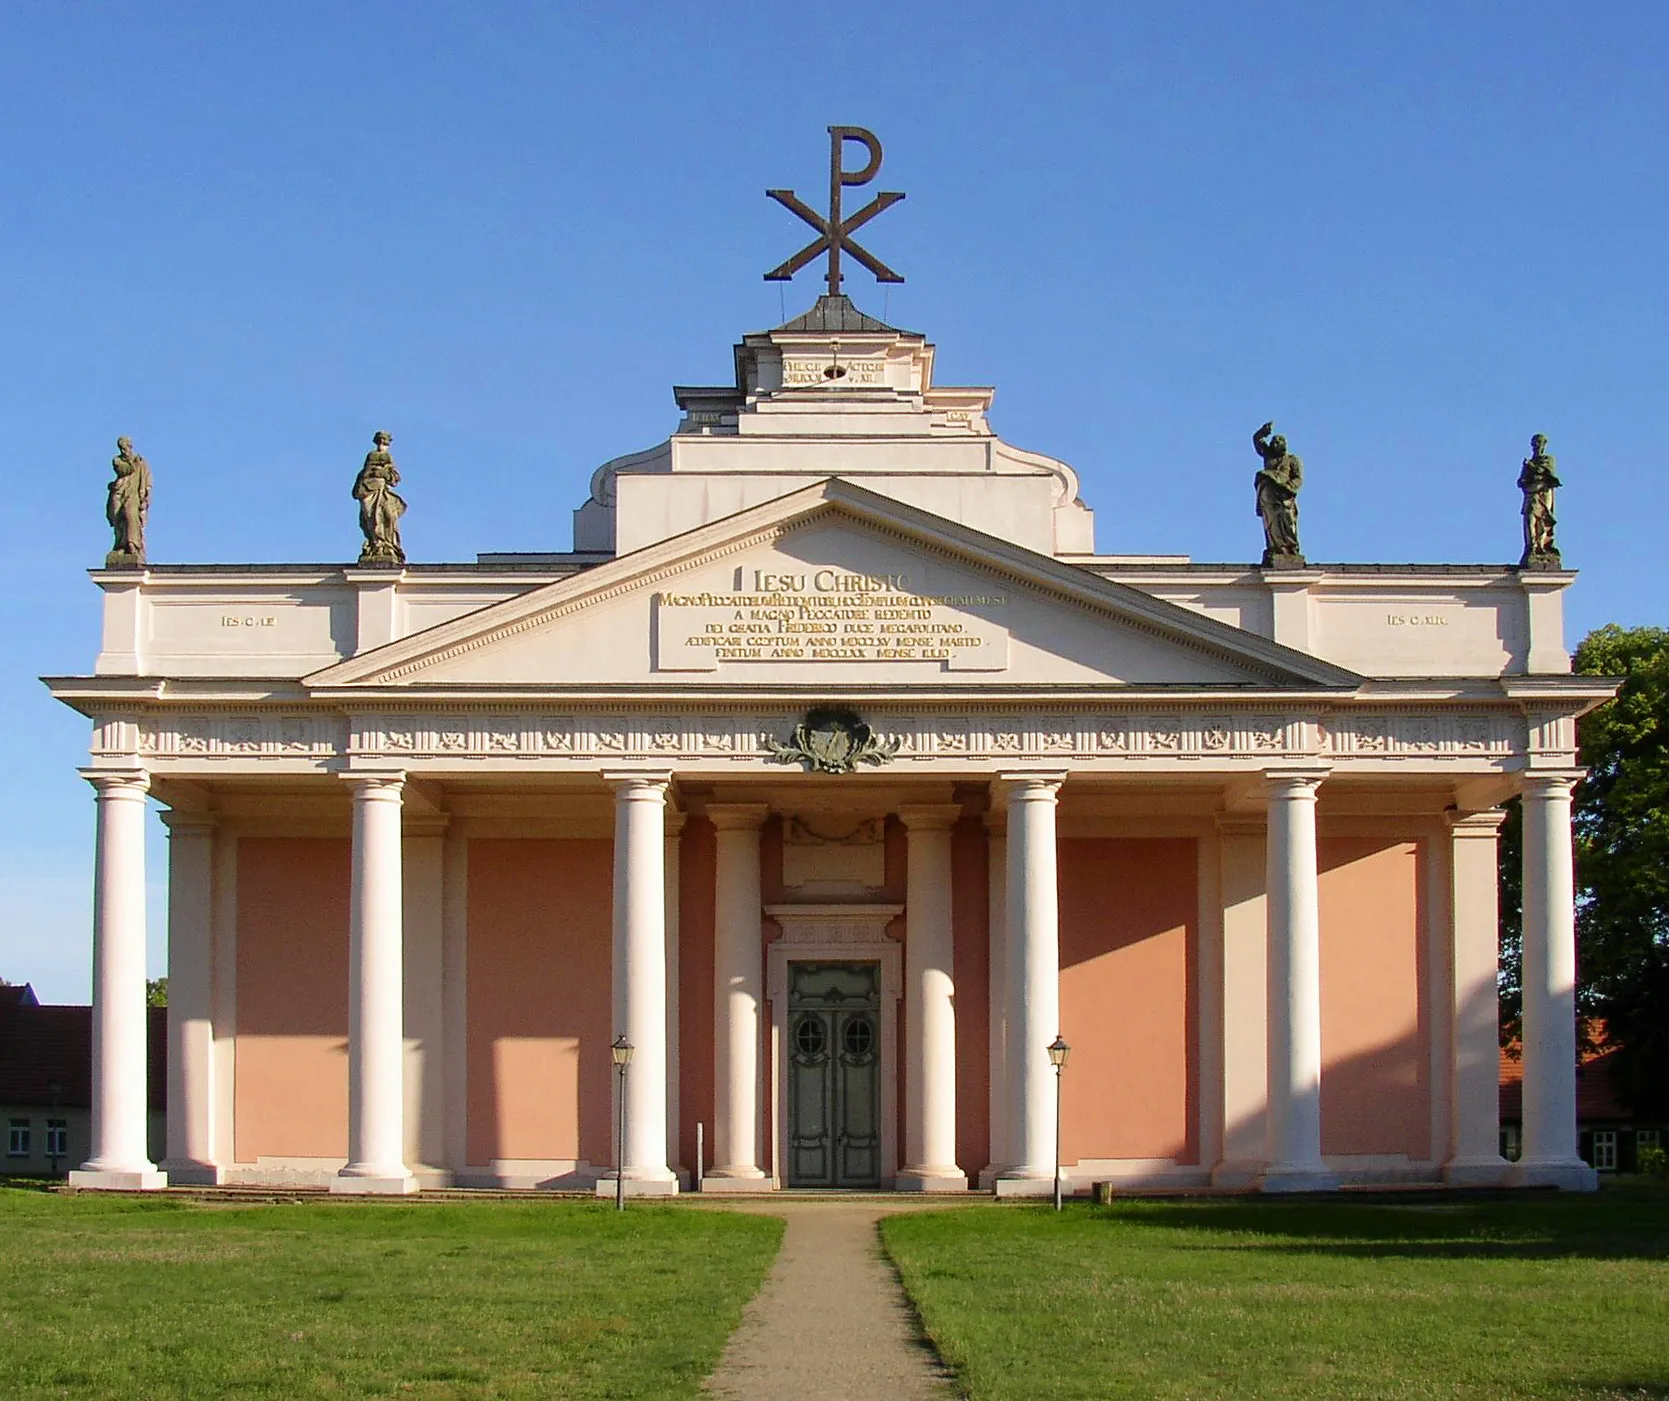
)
(621, 1050)
(1058, 1052)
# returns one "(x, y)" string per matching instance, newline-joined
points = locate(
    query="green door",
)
(834, 1075)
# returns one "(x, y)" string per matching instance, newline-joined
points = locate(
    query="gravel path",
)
(831, 1320)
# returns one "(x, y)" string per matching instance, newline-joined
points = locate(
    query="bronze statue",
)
(1277, 482)
(127, 506)
(1537, 481)
(380, 508)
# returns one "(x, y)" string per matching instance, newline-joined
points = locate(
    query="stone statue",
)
(380, 508)
(127, 506)
(1277, 482)
(1537, 482)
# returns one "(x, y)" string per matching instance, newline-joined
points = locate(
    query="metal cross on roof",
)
(834, 233)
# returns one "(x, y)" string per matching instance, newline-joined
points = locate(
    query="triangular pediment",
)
(835, 589)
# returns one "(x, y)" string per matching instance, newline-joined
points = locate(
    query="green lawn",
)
(163, 1299)
(1498, 1298)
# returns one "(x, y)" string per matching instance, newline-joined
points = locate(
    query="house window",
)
(1605, 1150)
(17, 1139)
(1509, 1142)
(57, 1138)
(1648, 1138)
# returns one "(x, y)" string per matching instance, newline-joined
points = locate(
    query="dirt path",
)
(830, 1321)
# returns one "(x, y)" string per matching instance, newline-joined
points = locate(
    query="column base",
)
(145, 1179)
(1489, 1171)
(189, 1172)
(1016, 1183)
(375, 1182)
(1297, 1177)
(931, 1179)
(988, 1176)
(1568, 1175)
(1237, 1174)
(638, 1186)
(736, 1180)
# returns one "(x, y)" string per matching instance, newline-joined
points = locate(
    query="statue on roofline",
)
(1537, 481)
(127, 506)
(380, 508)
(1277, 483)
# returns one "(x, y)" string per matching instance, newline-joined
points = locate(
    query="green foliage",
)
(156, 992)
(1481, 1298)
(1653, 1161)
(1622, 853)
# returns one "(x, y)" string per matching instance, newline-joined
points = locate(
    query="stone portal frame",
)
(834, 934)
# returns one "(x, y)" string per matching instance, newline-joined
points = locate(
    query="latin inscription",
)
(830, 615)
(246, 620)
(1416, 620)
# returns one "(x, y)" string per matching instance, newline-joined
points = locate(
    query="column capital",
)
(1551, 783)
(930, 817)
(129, 784)
(736, 817)
(638, 782)
(1475, 825)
(385, 786)
(1028, 786)
(184, 823)
(675, 819)
(1294, 781)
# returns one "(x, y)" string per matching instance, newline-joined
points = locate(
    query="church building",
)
(829, 781)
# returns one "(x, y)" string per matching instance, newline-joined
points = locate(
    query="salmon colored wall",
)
(697, 871)
(540, 1010)
(1129, 998)
(970, 919)
(291, 1080)
(1374, 1092)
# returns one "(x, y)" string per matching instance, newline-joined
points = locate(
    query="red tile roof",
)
(1595, 1098)
(43, 1047)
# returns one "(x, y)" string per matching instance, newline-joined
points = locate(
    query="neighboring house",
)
(13, 996)
(1609, 1138)
(46, 1087)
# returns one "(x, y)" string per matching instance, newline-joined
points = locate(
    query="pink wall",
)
(697, 870)
(540, 1009)
(1129, 1008)
(970, 919)
(1374, 1091)
(291, 1082)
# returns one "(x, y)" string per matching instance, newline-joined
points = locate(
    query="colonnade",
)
(1025, 975)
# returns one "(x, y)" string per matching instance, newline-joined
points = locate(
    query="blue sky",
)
(248, 236)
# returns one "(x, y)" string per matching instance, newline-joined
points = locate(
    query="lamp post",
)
(621, 1050)
(1058, 1052)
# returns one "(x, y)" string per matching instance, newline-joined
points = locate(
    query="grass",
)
(165, 1299)
(1536, 1297)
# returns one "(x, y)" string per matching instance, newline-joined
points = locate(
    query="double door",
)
(834, 1075)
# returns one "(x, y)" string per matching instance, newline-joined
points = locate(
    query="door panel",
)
(834, 1075)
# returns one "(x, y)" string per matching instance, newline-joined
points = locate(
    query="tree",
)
(1621, 820)
(1622, 859)
(156, 992)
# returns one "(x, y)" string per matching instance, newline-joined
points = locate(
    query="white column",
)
(1549, 978)
(930, 1015)
(1033, 984)
(640, 958)
(1474, 945)
(1294, 1151)
(996, 923)
(119, 1160)
(423, 1018)
(1242, 867)
(376, 1045)
(738, 975)
(674, 834)
(191, 1156)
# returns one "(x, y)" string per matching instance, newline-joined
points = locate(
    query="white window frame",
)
(1511, 1144)
(17, 1137)
(1605, 1150)
(1647, 1138)
(57, 1138)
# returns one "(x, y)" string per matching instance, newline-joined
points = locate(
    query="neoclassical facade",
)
(837, 773)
